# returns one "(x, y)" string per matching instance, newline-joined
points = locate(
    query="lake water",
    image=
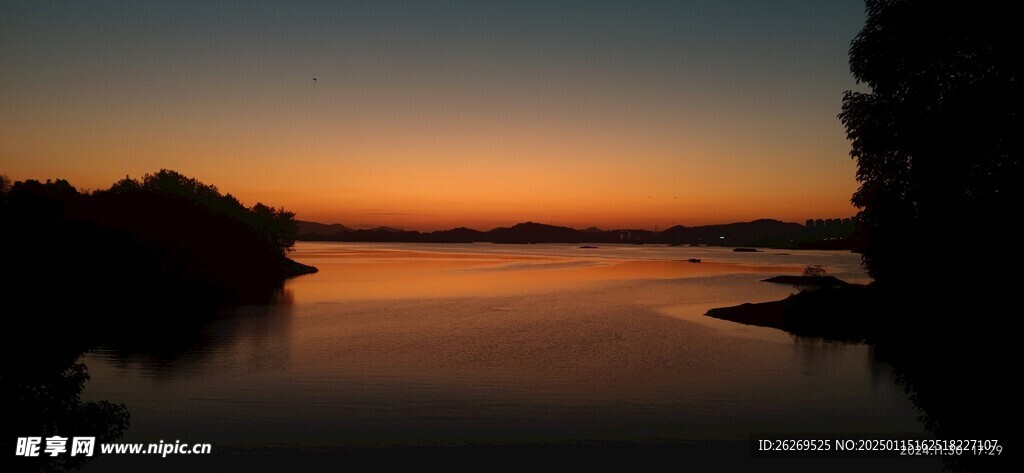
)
(483, 344)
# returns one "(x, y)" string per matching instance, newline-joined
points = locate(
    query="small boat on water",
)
(694, 260)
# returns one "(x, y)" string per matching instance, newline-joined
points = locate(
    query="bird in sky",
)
(314, 79)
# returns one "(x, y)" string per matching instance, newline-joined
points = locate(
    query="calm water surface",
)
(416, 344)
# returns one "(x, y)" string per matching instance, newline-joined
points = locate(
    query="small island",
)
(762, 314)
(165, 237)
(807, 280)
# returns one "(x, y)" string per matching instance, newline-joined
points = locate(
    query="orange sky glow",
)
(462, 137)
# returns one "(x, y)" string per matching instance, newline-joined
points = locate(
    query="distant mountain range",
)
(314, 228)
(764, 232)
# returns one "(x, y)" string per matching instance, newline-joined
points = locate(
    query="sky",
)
(434, 114)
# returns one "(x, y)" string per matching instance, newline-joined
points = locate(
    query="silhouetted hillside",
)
(314, 228)
(457, 235)
(531, 232)
(742, 233)
(764, 232)
(163, 242)
(383, 235)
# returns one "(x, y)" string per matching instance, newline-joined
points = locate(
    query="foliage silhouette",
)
(166, 238)
(938, 146)
(814, 271)
(937, 139)
(42, 398)
(147, 261)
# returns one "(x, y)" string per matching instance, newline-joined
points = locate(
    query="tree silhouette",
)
(814, 271)
(937, 139)
(165, 237)
(41, 395)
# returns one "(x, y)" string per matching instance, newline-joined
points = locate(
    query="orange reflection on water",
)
(361, 274)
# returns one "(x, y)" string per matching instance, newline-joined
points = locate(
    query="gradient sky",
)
(434, 114)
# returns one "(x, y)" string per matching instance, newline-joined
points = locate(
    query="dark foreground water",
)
(402, 350)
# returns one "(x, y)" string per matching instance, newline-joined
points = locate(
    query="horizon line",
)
(574, 227)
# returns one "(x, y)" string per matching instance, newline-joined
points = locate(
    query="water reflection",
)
(245, 339)
(385, 272)
(510, 346)
(41, 397)
(46, 366)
